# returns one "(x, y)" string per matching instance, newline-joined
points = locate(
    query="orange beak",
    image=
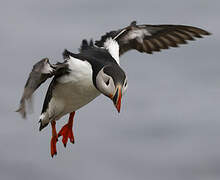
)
(117, 98)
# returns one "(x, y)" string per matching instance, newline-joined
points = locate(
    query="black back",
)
(96, 56)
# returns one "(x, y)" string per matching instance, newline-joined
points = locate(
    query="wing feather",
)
(150, 38)
(41, 71)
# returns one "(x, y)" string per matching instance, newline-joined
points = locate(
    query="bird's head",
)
(112, 82)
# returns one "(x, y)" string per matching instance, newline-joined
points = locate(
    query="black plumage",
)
(143, 38)
(150, 38)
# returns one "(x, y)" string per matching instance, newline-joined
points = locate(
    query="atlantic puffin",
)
(96, 70)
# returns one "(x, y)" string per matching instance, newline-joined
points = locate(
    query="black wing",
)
(149, 38)
(41, 71)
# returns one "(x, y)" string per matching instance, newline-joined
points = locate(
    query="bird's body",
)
(95, 70)
(74, 87)
(69, 92)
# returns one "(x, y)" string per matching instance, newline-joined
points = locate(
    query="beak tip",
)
(118, 106)
(117, 99)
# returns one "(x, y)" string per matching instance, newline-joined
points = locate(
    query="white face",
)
(106, 85)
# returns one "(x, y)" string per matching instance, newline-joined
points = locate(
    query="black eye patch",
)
(116, 73)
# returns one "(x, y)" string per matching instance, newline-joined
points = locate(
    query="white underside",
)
(71, 92)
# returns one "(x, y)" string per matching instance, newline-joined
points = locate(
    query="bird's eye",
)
(126, 83)
(107, 82)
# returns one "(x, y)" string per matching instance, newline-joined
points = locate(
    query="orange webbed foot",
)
(67, 131)
(53, 142)
(54, 139)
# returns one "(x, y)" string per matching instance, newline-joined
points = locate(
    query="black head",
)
(112, 82)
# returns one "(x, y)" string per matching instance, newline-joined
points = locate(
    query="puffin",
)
(95, 70)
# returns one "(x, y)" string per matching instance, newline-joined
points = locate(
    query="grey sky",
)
(169, 123)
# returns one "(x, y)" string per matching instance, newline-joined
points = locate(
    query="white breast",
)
(80, 70)
(73, 90)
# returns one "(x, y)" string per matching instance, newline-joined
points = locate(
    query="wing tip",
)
(21, 111)
(207, 33)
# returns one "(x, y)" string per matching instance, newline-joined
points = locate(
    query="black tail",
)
(85, 45)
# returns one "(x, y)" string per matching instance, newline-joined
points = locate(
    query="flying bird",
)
(96, 70)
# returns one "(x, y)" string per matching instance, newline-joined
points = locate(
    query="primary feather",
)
(150, 38)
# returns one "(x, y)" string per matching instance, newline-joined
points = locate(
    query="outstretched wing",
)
(149, 38)
(41, 71)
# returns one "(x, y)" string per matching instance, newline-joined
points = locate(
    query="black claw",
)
(64, 145)
(52, 155)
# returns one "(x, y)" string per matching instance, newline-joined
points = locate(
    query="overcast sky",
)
(169, 125)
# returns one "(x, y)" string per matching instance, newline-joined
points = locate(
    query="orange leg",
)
(67, 130)
(54, 139)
